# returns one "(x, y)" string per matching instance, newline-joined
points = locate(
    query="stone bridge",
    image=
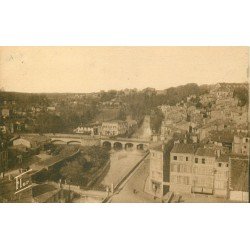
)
(86, 140)
(125, 143)
(75, 140)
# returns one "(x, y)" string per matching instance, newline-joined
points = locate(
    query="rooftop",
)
(205, 152)
(184, 148)
(222, 136)
(223, 158)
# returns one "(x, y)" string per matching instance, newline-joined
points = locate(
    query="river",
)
(121, 162)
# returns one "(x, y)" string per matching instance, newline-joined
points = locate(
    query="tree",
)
(121, 115)
(73, 172)
(156, 119)
(242, 95)
(49, 123)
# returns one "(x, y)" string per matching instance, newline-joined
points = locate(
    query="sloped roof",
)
(221, 136)
(223, 158)
(205, 152)
(184, 148)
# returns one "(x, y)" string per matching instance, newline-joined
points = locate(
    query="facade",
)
(181, 164)
(159, 175)
(156, 171)
(203, 171)
(84, 130)
(114, 128)
(195, 169)
(241, 144)
(239, 178)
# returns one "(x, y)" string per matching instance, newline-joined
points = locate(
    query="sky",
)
(91, 69)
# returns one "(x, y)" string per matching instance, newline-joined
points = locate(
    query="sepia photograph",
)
(124, 124)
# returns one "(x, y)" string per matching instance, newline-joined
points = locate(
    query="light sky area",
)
(91, 69)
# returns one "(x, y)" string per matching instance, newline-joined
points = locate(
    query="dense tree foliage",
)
(24, 100)
(156, 119)
(80, 170)
(73, 110)
(242, 95)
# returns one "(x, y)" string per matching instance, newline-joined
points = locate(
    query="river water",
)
(121, 162)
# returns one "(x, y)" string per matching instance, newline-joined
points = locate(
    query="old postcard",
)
(124, 124)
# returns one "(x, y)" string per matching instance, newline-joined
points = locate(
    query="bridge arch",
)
(73, 142)
(141, 146)
(107, 144)
(129, 145)
(58, 142)
(118, 145)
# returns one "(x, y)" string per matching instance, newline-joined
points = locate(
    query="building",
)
(181, 164)
(221, 176)
(241, 144)
(159, 173)
(23, 142)
(239, 178)
(114, 128)
(84, 130)
(222, 138)
(38, 141)
(156, 171)
(195, 169)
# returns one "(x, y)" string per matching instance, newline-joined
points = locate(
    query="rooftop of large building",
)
(184, 148)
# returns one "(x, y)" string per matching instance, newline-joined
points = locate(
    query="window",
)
(186, 158)
(220, 164)
(175, 158)
(203, 161)
(196, 160)
(246, 140)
